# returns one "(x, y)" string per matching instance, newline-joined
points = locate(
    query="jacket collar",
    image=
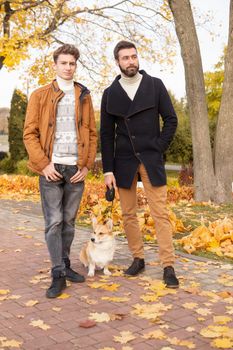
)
(83, 90)
(120, 104)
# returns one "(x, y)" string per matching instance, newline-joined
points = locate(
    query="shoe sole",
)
(172, 286)
(57, 295)
(74, 281)
(142, 270)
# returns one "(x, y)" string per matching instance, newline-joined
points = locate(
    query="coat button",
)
(138, 154)
(133, 137)
(128, 119)
(50, 125)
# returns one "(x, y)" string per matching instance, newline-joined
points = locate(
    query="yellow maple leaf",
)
(203, 311)
(150, 312)
(4, 342)
(64, 296)
(4, 291)
(40, 324)
(222, 319)
(125, 337)
(157, 334)
(149, 297)
(88, 300)
(31, 302)
(190, 329)
(176, 341)
(106, 286)
(190, 306)
(222, 343)
(100, 317)
(57, 309)
(13, 297)
(116, 299)
(213, 331)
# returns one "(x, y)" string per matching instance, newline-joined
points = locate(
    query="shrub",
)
(186, 176)
(3, 155)
(22, 168)
(7, 165)
(16, 124)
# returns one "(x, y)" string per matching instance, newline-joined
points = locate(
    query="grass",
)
(192, 214)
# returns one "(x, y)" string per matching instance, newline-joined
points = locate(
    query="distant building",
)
(4, 115)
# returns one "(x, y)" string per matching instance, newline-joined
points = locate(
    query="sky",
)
(211, 51)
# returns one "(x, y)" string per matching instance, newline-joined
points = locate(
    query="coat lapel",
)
(120, 104)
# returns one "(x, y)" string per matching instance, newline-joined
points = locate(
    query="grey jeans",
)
(60, 203)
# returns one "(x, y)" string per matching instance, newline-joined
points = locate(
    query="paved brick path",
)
(25, 274)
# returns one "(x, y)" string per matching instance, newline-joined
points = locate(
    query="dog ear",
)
(94, 221)
(109, 224)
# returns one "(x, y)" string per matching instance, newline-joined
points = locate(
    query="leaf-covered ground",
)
(198, 228)
(106, 312)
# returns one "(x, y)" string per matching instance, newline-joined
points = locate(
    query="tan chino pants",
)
(157, 200)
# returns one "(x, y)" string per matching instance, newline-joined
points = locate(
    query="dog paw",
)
(91, 274)
(107, 273)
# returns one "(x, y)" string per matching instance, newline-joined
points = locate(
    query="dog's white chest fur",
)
(102, 253)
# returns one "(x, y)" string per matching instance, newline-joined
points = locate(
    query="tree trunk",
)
(224, 132)
(204, 178)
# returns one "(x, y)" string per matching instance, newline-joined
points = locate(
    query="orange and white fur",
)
(99, 250)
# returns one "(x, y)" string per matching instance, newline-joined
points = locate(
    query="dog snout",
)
(93, 239)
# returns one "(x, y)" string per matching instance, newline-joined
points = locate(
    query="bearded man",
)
(133, 146)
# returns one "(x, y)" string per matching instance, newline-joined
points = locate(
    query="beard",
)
(130, 71)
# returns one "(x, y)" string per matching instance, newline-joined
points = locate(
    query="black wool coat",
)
(130, 130)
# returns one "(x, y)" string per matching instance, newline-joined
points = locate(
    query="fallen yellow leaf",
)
(57, 309)
(157, 334)
(190, 306)
(32, 302)
(203, 311)
(116, 299)
(100, 317)
(222, 343)
(221, 319)
(4, 291)
(4, 342)
(40, 324)
(125, 337)
(64, 296)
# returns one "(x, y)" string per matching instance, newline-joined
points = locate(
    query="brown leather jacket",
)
(40, 123)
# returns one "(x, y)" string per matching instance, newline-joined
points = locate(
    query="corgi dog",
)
(99, 250)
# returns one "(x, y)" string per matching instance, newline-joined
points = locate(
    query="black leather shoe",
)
(73, 276)
(137, 266)
(170, 278)
(57, 286)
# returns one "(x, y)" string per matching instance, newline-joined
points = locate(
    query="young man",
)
(60, 138)
(133, 146)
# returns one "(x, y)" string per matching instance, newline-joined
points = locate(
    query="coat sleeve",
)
(169, 118)
(92, 136)
(31, 134)
(107, 136)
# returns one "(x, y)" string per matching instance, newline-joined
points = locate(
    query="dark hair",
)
(66, 49)
(123, 44)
